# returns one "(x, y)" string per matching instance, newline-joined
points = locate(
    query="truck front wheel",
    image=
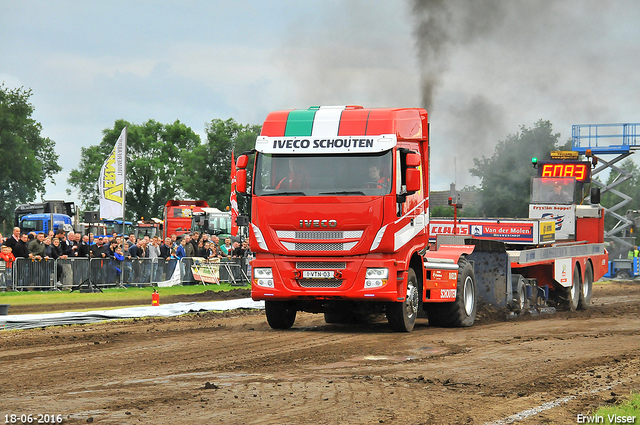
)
(280, 314)
(461, 312)
(402, 316)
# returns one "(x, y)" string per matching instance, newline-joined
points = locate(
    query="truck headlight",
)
(376, 277)
(263, 276)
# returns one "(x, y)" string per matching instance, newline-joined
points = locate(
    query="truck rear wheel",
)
(519, 301)
(587, 288)
(571, 295)
(461, 312)
(280, 314)
(402, 316)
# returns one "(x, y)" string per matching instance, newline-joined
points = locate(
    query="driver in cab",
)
(298, 177)
(375, 179)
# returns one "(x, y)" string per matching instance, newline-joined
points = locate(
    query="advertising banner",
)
(111, 184)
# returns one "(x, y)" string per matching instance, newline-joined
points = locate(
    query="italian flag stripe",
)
(327, 121)
(300, 122)
(332, 121)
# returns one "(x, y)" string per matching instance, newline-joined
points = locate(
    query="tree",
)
(154, 153)
(506, 176)
(28, 159)
(209, 164)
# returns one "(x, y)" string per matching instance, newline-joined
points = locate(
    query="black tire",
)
(519, 301)
(571, 295)
(461, 312)
(587, 288)
(280, 314)
(402, 315)
(623, 274)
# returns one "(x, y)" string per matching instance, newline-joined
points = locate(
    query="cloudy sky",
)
(482, 68)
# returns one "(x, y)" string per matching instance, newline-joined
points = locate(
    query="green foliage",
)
(630, 407)
(28, 159)
(447, 211)
(209, 164)
(154, 153)
(506, 176)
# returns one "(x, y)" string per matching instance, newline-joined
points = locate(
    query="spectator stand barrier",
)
(6, 281)
(233, 270)
(72, 273)
(105, 272)
(109, 272)
(186, 272)
(34, 274)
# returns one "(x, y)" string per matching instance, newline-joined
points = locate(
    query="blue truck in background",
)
(41, 217)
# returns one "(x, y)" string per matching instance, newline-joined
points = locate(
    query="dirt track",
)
(232, 368)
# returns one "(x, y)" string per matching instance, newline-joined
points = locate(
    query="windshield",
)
(31, 226)
(313, 175)
(219, 224)
(552, 190)
(216, 224)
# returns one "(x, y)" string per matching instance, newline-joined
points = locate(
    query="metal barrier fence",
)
(34, 274)
(223, 270)
(72, 273)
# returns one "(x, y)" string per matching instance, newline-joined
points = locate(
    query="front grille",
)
(319, 235)
(320, 283)
(334, 265)
(319, 247)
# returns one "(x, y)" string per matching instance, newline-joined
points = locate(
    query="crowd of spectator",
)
(63, 245)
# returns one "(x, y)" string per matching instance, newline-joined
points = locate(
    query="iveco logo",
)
(318, 223)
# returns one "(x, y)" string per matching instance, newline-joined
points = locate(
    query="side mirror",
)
(413, 160)
(594, 197)
(413, 179)
(241, 180)
(242, 162)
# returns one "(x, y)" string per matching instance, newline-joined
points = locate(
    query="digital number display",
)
(581, 170)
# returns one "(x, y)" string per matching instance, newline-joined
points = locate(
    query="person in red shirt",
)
(298, 177)
(7, 256)
(374, 177)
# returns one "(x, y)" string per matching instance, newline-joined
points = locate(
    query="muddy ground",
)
(231, 368)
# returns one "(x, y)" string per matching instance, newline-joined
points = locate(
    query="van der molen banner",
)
(112, 180)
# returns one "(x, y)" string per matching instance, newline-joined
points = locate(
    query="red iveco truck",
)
(340, 226)
(178, 215)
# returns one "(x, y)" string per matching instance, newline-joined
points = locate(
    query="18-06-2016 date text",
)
(39, 418)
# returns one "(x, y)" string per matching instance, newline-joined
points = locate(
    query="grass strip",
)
(142, 294)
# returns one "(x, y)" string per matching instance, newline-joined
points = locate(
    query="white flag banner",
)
(112, 180)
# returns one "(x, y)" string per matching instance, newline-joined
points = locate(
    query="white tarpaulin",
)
(27, 321)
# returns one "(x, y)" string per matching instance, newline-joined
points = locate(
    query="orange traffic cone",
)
(155, 298)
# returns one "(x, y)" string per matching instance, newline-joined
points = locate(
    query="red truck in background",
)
(177, 216)
(340, 226)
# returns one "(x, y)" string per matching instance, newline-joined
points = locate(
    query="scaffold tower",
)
(616, 142)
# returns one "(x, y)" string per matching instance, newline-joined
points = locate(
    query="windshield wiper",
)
(284, 194)
(344, 192)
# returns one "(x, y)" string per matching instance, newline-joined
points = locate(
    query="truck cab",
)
(340, 212)
(43, 223)
(45, 216)
(212, 221)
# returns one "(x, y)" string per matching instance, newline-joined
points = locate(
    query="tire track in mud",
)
(156, 370)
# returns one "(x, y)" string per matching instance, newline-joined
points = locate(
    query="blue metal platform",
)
(604, 138)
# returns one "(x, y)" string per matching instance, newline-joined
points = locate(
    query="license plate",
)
(318, 274)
